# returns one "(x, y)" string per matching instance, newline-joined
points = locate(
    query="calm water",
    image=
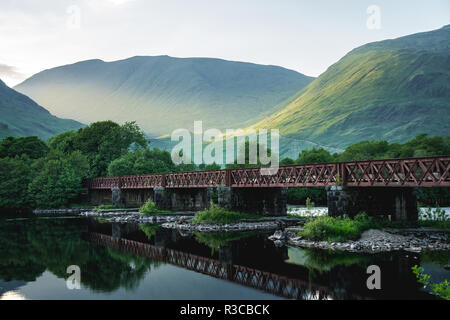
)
(129, 261)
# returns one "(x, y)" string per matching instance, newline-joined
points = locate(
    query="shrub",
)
(309, 204)
(337, 229)
(441, 289)
(216, 214)
(150, 207)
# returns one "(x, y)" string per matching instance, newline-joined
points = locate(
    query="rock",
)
(279, 235)
(278, 243)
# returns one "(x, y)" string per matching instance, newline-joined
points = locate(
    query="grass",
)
(216, 214)
(337, 229)
(150, 207)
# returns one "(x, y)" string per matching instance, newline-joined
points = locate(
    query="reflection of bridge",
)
(266, 281)
(353, 187)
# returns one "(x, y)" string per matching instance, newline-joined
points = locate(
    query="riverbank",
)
(372, 241)
(184, 221)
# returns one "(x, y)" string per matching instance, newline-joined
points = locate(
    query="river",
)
(130, 261)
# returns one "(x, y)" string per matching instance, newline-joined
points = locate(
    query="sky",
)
(306, 36)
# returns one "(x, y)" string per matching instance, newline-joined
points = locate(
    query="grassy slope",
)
(21, 116)
(164, 93)
(392, 90)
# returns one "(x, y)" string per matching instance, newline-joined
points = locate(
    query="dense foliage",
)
(34, 173)
(33, 147)
(216, 214)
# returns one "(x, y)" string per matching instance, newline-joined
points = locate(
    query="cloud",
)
(10, 72)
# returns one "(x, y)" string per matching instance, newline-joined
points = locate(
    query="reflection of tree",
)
(441, 258)
(149, 229)
(221, 239)
(30, 247)
(324, 260)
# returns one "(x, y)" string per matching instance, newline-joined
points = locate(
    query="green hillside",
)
(164, 93)
(393, 90)
(21, 116)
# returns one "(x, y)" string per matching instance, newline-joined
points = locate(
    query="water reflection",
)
(150, 262)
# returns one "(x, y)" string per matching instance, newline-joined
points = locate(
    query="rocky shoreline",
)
(183, 221)
(372, 241)
(265, 224)
(286, 231)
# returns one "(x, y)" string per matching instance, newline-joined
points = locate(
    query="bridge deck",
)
(413, 172)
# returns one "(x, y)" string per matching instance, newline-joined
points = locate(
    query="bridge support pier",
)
(188, 199)
(263, 201)
(398, 203)
(118, 197)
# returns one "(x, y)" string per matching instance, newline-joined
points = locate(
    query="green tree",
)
(33, 147)
(211, 167)
(142, 161)
(314, 155)
(103, 142)
(15, 175)
(64, 142)
(59, 179)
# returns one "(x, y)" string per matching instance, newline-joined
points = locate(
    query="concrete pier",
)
(398, 203)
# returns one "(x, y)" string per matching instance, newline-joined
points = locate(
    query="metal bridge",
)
(412, 172)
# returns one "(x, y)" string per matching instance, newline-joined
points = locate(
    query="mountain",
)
(163, 93)
(392, 90)
(21, 116)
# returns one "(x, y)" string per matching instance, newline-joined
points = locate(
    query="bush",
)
(150, 207)
(216, 214)
(337, 229)
(441, 289)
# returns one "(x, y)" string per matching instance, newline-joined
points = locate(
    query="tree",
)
(105, 141)
(15, 175)
(59, 179)
(63, 142)
(33, 147)
(212, 167)
(142, 161)
(315, 156)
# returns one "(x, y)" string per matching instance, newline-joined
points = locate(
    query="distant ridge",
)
(163, 93)
(393, 90)
(21, 116)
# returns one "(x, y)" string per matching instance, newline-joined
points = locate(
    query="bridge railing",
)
(413, 172)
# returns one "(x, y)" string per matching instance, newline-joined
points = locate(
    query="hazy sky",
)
(307, 36)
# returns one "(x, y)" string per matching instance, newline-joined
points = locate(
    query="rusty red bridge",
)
(378, 187)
